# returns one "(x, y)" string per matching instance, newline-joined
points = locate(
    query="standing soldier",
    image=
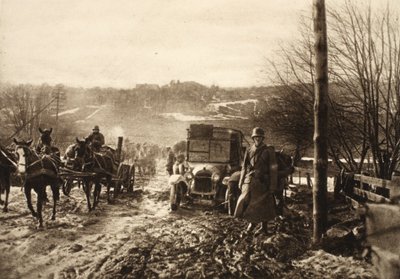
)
(258, 181)
(180, 166)
(170, 161)
(96, 139)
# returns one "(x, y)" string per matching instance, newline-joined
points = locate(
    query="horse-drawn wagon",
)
(85, 167)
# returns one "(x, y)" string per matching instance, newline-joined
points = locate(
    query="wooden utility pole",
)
(57, 111)
(320, 212)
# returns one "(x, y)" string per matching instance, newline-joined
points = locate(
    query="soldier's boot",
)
(251, 227)
(263, 229)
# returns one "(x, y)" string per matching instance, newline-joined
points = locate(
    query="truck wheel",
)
(231, 197)
(175, 197)
(172, 198)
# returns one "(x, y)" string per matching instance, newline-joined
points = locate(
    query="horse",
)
(285, 168)
(74, 155)
(7, 166)
(45, 144)
(39, 172)
(102, 165)
(74, 162)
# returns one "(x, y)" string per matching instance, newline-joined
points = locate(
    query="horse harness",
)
(8, 159)
(93, 160)
(43, 170)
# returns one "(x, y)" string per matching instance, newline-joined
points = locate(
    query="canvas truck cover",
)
(200, 131)
(207, 143)
(205, 131)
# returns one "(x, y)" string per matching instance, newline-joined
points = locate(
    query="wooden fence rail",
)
(371, 189)
(308, 173)
(382, 220)
(382, 217)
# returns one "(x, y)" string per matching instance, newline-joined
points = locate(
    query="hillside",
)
(147, 112)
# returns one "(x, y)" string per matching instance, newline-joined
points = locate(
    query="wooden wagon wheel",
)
(117, 183)
(67, 186)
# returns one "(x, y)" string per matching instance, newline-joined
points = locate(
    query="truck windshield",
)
(216, 151)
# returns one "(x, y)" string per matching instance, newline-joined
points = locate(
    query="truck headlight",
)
(215, 177)
(189, 176)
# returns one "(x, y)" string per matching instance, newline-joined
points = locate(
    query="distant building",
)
(146, 86)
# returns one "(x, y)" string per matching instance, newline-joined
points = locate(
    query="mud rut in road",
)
(137, 237)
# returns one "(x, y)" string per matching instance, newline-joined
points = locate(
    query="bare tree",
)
(27, 108)
(20, 106)
(365, 62)
(364, 72)
(289, 117)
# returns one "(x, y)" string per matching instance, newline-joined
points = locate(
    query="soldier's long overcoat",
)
(258, 180)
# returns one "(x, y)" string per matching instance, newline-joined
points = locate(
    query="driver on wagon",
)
(96, 139)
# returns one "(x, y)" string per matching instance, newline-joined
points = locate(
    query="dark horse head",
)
(45, 136)
(25, 155)
(285, 163)
(78, 154)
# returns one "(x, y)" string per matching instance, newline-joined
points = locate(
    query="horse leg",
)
(98, 191)
(39, 202)
(87, 188)
(95, 195)
(5, 209)
(28, 195)
(1, 188)
(45, 198)
(2, 184)
(56, 197)
(6, 183)
(53, 216)
(109, 181)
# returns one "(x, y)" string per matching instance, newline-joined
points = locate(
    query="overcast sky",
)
(121, 43)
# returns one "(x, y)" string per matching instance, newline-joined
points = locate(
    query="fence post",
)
(396, 190)
(299, 177)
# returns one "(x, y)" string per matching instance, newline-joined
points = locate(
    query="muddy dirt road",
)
(137, 237)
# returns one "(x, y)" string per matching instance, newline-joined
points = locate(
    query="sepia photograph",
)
(200, 139)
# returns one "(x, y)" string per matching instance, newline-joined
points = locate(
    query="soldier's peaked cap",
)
(96, 127)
